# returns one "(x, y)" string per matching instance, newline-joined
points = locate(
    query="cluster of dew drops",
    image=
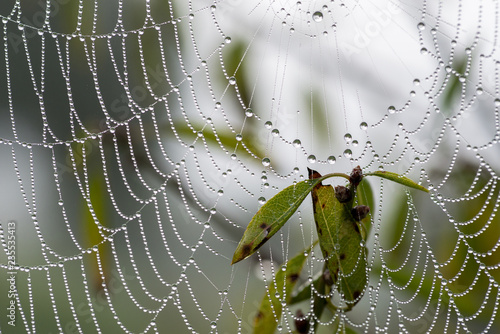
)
(331, 159)
(266, 162)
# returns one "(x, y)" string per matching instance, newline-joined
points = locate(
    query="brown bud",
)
(359, 212)
(343, 194)
(301, 323)
(327, 277)
(356, 176)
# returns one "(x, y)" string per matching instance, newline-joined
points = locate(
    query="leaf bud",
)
(327, 277)
(301, 323)
(359, 212)
(356, 176)
(343, 194)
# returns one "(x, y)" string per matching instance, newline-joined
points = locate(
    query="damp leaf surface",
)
(341, 243)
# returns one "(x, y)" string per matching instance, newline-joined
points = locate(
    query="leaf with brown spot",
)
(340, 243)
(270, 309)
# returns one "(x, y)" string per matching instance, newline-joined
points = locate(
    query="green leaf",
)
(273, 215)
(364, 194)
(341, 243)
(304, 292)
(270, 309)
(320, 302)
(398, 178)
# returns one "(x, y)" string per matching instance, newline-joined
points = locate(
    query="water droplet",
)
(262, 200)
(479, 91)
(317, 16)
(200, 134)
(227, 40)
(423, 51)
(213, 211)
(268, 124)
(239, 137)
(266, 162)
(275, 132)
(347, 137)
(311, 158)
(348, 153)
(391, 109)
(232, 81)
(363, 126)
(263, 178)
(331, 159)
(297, 142)
(497, 102)
(213, 325)
(416, 82)
(249, 112)
(421, 26)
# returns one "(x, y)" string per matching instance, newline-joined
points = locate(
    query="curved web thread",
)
(138, 140)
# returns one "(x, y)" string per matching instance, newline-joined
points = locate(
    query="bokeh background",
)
(138, 139)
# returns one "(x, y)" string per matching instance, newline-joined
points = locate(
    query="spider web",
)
(138, 139)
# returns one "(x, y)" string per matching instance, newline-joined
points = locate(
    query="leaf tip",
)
(241, 253)
(237, 258)
(313, 174)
